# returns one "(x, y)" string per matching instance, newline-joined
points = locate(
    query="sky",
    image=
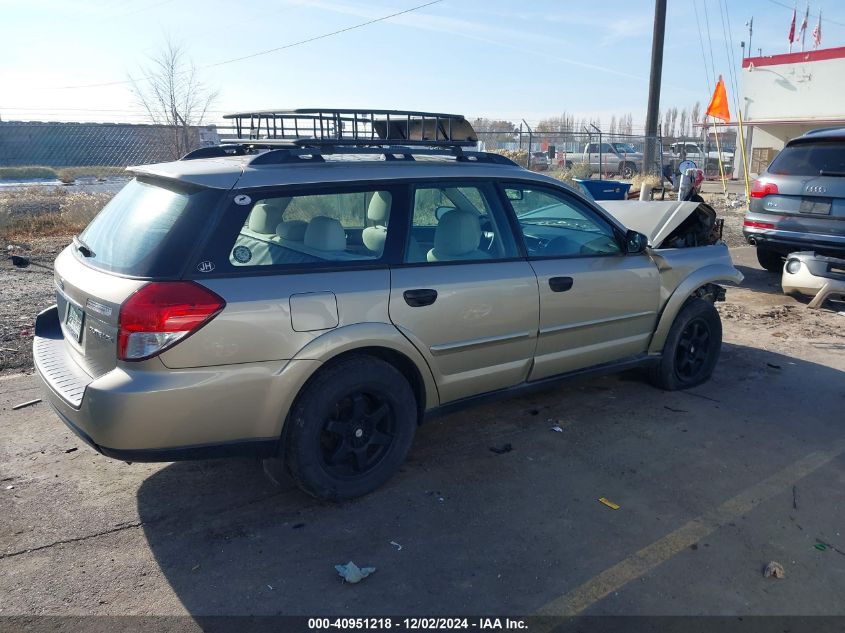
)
(500, 59)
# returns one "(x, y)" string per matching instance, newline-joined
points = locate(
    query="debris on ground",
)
(71, 450)
(820, 546)
(499, 450)
(609, 503)
(28, 403)
(773, 366)
(352, 574)
(774, 570)
(396, 545)
(675, 410)
(556, 428)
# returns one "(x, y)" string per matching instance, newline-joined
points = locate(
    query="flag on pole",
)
(803, 29)
(791, 37)
(718, 107)
(817, 33)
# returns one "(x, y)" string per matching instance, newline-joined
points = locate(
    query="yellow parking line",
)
(646, 559)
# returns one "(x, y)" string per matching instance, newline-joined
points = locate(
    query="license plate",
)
(73, 321)
(817, 206)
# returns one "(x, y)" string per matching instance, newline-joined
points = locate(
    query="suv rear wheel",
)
(350, 429)
(770, 260)
(692, 348)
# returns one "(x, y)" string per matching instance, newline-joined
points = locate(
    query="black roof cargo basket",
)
(318, 127)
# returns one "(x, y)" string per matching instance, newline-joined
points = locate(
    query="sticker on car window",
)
(243, 199)
(205, 266)
(242, 254)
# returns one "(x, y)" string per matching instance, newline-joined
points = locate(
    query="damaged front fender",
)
(719, 271)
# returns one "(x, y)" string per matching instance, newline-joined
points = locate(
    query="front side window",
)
(558, 225)
(456, 223)
(314, 229)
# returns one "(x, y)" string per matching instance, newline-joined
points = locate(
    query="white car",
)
(806, 273)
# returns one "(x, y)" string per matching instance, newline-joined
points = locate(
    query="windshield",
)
(810, 159)
(143, 231)
(625, 148)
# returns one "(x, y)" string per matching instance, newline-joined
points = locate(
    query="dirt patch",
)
(786, 321)
(733, 212)
(25, 293)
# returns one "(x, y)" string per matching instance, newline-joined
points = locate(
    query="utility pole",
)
(654, 84)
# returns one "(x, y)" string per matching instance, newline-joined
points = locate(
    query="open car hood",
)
(659, 220)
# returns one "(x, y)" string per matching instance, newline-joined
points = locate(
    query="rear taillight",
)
(763, 188)
(161, 314)
(753, 224)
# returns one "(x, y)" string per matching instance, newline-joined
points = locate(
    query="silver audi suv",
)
(798, 203)
(312, 291)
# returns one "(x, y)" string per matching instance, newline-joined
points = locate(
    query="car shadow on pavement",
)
(457, 517)
(760, 280)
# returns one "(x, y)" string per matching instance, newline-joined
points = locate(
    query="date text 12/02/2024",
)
(413, 624)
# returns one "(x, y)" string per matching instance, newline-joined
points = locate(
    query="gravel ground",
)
(25, 293)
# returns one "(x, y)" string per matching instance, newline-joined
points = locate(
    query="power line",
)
(729, 48)
(269, 50)
(701, 43)
(812, 15)
(709, 40)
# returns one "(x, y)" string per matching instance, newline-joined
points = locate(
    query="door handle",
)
(420, 297)
(560, 284)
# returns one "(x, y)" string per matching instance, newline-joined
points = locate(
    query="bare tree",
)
(695, 116)
(495, 132)
(682, 125)
(673, 119)
(172, 94)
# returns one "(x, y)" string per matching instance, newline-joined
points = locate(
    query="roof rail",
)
(277, 152)
(315, 127)
(281, 155)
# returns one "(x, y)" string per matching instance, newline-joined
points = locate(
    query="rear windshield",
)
(810, 159)
(147, 229)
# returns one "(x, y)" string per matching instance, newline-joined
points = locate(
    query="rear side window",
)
(810, 159)
(147, 229)
(312, 229)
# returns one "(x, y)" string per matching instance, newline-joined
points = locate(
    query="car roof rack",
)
(315, 127)
(306, 135)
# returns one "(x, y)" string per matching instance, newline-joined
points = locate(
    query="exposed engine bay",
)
(669, 224)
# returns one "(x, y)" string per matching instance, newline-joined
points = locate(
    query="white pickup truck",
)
(687, 150)
(621, 159)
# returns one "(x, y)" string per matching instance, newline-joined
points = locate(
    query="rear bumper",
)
(146, 412)
(785, 242)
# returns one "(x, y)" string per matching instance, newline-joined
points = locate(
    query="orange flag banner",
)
(718, 107)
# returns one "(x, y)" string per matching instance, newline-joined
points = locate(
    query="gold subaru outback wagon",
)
(312, 291)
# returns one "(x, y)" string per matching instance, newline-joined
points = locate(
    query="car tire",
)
(770, 260)
(627, 170)
(350, 429)
(692, 348)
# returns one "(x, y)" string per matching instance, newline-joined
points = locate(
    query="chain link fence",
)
(586, 154)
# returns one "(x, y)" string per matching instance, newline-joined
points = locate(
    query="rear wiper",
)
(82, 247)
(825, 172)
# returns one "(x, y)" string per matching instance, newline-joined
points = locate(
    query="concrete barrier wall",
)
(86, 144)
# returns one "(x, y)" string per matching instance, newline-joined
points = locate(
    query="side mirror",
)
(514, 194)
(635, 242)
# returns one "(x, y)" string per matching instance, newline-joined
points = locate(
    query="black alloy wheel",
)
(357, 434)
